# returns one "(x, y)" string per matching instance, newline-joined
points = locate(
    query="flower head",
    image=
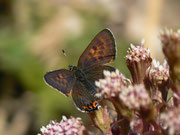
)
(171, 48)
(112, 84)
(136, 124)
(72, 126)
(170, 42)
(171, 120)
(137, 54)
(135, 97)
(138, 60)
(158, 76)
(159, 73)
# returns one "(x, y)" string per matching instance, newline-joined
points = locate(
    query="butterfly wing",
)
(101, 50)
(62, 80)
(83, 100)
(96, 73)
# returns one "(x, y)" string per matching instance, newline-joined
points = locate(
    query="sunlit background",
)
(33, 34)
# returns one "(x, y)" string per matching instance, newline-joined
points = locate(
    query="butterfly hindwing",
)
(62, 80)
(101, 50)
(96, 73)
(83, 100)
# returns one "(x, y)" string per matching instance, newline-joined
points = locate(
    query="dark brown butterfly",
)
(81, 79)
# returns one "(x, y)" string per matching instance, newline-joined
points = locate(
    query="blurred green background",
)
(33, 33)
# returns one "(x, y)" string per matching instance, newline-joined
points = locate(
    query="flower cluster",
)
(138, 60)
(72, 126)
(171, 47)
(136, 124)
(159, 73)
(158, 76)
(171, 120)
(140, 105)
(112, 84)
(135, 97)
(137, 54)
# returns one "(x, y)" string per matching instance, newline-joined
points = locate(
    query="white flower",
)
(72, 126)
(135, 97)
(112, 84)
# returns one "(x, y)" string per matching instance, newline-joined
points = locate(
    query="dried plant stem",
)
(102, 120)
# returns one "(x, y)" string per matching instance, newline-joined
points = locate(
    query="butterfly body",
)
(79, 74)
(81, 78)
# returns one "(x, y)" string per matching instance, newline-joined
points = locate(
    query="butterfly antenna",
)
(64, 53)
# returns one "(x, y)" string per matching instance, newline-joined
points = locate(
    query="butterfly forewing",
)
(62, 80)
(101, 50)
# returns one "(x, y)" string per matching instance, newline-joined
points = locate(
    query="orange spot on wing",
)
(60, 75)
(95, 103)
(57, 78)
(90, 107)
(85, 107)
(92, 51)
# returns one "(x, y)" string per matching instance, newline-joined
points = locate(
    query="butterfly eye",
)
(71, 67)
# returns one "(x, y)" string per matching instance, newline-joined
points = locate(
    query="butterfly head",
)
(72, 68)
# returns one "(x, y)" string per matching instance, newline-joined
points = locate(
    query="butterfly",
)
(80, 80)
